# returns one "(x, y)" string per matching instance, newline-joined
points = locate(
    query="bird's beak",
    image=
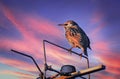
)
(61, 24)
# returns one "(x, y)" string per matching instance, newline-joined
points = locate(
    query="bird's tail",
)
(89, 47)
(85, 52)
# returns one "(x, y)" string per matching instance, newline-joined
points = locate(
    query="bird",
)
(76, 36)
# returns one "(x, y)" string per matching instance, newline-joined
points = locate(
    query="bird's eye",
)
(66, 24)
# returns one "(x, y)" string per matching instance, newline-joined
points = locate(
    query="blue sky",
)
(25, 23)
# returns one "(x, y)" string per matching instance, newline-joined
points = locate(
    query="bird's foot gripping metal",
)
(81, 56)
(70, 50)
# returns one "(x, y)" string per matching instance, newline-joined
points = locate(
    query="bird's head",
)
(68, 24)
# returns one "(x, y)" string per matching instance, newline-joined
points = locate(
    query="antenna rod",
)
(66, 50)
(45, 60)
(29, 57)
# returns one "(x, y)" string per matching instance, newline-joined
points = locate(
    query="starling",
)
(76, 36)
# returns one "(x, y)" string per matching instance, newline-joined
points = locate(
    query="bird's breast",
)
(74, 40)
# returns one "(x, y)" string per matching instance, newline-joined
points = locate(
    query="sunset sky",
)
(24, 24)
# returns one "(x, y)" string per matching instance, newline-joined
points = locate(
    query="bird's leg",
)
(82, 52)
(69, 50)
(81, 56)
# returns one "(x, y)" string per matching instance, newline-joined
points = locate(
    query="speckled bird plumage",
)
(76, 36)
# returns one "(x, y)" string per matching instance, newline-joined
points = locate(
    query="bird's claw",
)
(69, 50)
(81, 56)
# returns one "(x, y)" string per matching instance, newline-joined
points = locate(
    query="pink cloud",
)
(30, 24)
(21, 46)
(27, 34)
(97, 30)
(97, 24)
(101, 45)
(103, 76)
(102, 52)
(111, 60)
(28, 27)
(56, 54)
(19, 64)
(20, 75)
(30, 43)
(96, 17)
(42, 26)
(105, 54)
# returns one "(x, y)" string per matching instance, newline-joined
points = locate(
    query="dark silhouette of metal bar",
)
(45, 60)
(66, 50)
(83, 77)
(51, 69)
(88, 66)
(29, 57)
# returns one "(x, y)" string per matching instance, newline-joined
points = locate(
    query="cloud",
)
(102, 76)
(20, 75)
(97, 17)
(29, 27)
(28, 24)
(96, 24)
(97, 29)
(34, 29)
(103, 51)
(18, 64)
(107, 56)
(113, 65)
(101, 45)
(43, 27)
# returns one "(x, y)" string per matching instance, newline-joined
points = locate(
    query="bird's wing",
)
(85, 40)
(81, 30)
(74, 32)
